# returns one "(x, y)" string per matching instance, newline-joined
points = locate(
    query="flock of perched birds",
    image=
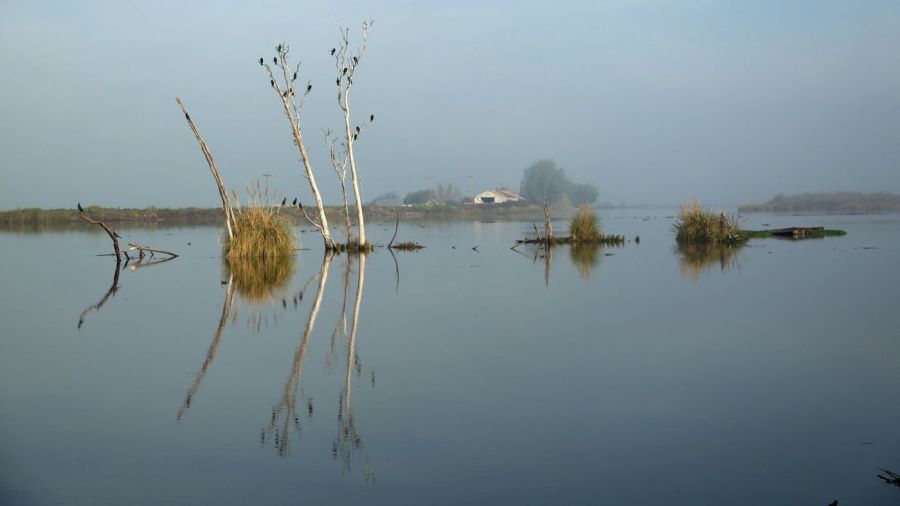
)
(296, 203)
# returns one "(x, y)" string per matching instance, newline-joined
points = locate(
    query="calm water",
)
(632, 375)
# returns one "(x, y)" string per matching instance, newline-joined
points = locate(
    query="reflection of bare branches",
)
(109, 293)
(211, 353)
(286, 407)
(349, 439)
(340, 328)
(890, 477)
(140, 264)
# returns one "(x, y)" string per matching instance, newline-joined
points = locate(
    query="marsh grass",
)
(585, 225)
(261, 230)
(694, 225)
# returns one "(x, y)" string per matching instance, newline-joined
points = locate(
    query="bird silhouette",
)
(260, 61)
(354, 136)
(80, 209)
(295, 202)
(279, 48)
(345, 70)
(337, 81)
(300, 205)
(308, 88)
(295, 76)
(283, 201)
(332, 51)
(372, 118)
(275, 60)
(357, 129)
(272, 81)
(355, 60)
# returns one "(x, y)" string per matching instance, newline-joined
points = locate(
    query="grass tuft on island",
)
(260, 232)
(695, 225)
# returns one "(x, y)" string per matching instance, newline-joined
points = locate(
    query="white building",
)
(497, 196)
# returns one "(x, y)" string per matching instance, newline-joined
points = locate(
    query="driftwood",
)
(230, 222)
(142, 250)
(111, 233)
(605, 240)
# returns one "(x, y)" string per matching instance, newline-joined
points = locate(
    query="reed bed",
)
(585, 225)
(260, 229)
(694, 225)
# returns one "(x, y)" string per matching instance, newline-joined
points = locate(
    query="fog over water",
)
(652, 101)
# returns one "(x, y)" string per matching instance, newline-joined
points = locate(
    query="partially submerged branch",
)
(112, 235)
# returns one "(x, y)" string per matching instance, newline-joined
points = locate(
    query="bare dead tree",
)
(112, 235)
(346, 62)
(339, 164)
(230, 222)
(292, 102)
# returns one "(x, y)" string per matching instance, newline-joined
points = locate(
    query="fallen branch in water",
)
(142, 249)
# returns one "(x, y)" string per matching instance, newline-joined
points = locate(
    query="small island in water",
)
(831, 203)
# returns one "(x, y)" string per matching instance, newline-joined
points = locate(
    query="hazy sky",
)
(652, 101)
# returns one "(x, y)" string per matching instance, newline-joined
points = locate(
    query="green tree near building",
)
(544, 180)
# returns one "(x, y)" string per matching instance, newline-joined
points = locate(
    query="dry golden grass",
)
(585, 226)
(261, 230)
(694, 225)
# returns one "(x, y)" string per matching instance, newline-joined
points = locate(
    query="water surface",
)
(633, 375)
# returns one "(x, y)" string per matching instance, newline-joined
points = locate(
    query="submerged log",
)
(606, 240)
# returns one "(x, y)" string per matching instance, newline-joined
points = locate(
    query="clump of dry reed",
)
(260, 230)
(694, 225)
(585, 226)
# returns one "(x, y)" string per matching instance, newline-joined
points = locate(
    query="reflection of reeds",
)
(694, 257)
(585, 257)
(257, 279)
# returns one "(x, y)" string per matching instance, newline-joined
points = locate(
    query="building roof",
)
(500, 192)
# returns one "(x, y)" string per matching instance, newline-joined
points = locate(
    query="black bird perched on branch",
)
(332, 51)
(357, 129)
(279, 48)
(355, 60)
(308, 88)
(372, 118)
(337, 81)
(275, 60)
(295, 202)
(260, 61)
(354, 136)
(283, 201)
(285, 94)
(80, 209)
(300, 206)
(272, 81)
(295, 76)
(345, 70)
(187, 116)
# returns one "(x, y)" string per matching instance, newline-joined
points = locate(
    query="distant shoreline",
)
(195, 216)
(828, 203)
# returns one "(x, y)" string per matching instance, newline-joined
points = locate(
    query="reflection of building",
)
(497, 196)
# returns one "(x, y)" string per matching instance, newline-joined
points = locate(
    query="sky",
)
(651, 101)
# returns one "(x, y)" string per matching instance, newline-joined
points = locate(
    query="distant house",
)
(497, 196)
